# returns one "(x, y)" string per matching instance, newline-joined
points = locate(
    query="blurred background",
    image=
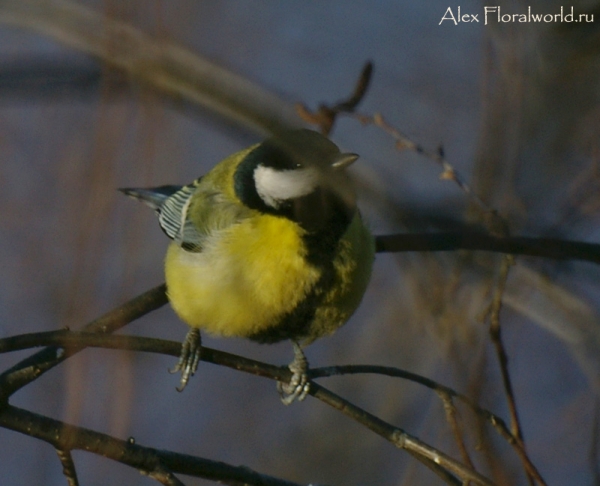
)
(515, 106)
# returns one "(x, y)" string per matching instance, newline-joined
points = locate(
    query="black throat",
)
(325, 217)
(323, 213)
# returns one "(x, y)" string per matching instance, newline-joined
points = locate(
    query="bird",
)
(269, 245)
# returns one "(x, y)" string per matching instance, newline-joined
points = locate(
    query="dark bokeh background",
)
(516, 109)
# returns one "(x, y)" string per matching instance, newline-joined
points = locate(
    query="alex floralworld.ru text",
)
(495, 14)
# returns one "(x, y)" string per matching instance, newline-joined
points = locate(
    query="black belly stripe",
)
(323, 214)
(321, 247)
(295, 324)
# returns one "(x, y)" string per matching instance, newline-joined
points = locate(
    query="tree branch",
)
(151, 461)
(538, 247)
(498, 423)
(428, 455)
(31, 368)
(398, 437)
(69, 471)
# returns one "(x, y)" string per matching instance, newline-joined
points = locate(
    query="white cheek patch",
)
(274, 186)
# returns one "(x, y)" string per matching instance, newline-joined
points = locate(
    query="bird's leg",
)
(298, 386)
(191, 351)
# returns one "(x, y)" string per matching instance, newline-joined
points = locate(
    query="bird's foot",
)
(299, 385)
(191, 352)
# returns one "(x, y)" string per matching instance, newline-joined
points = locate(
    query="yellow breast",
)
(246, 277)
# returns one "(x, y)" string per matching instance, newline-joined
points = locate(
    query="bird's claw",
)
(191, 352)
(299, 385)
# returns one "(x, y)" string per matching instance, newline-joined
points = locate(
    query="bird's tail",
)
(153, 196)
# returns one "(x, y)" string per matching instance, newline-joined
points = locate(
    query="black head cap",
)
(299, 175)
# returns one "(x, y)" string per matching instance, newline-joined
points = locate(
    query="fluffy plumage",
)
(268, 245)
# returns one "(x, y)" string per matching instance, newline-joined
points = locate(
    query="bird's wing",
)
(173, 217)
(190, 214)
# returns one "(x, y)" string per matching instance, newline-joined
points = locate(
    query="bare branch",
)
(493, 221)
(398, 437)
(496, 337)
(33, 367)
(326, 116)
(70, 437)
(493, 419)
(66, 459)
(452, 419)
(538, 247)
(164, 476)
(427, 454)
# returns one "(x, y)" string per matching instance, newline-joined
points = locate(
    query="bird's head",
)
(300, 175)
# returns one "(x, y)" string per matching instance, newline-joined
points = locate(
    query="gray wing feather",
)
(172, 204)
(174, 221)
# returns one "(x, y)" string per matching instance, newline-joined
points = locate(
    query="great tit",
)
(269, 245)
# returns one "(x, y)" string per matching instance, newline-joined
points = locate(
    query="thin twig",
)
(326, 116)
(451, 417)
(497, 422)
(496, 337)
(33, 367)
(69, 471)
(71, 437)
(495, 224)
(164, 476)
(67, 339)
(397, 436)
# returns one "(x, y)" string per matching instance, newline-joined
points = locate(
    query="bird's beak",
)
(343, 160)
